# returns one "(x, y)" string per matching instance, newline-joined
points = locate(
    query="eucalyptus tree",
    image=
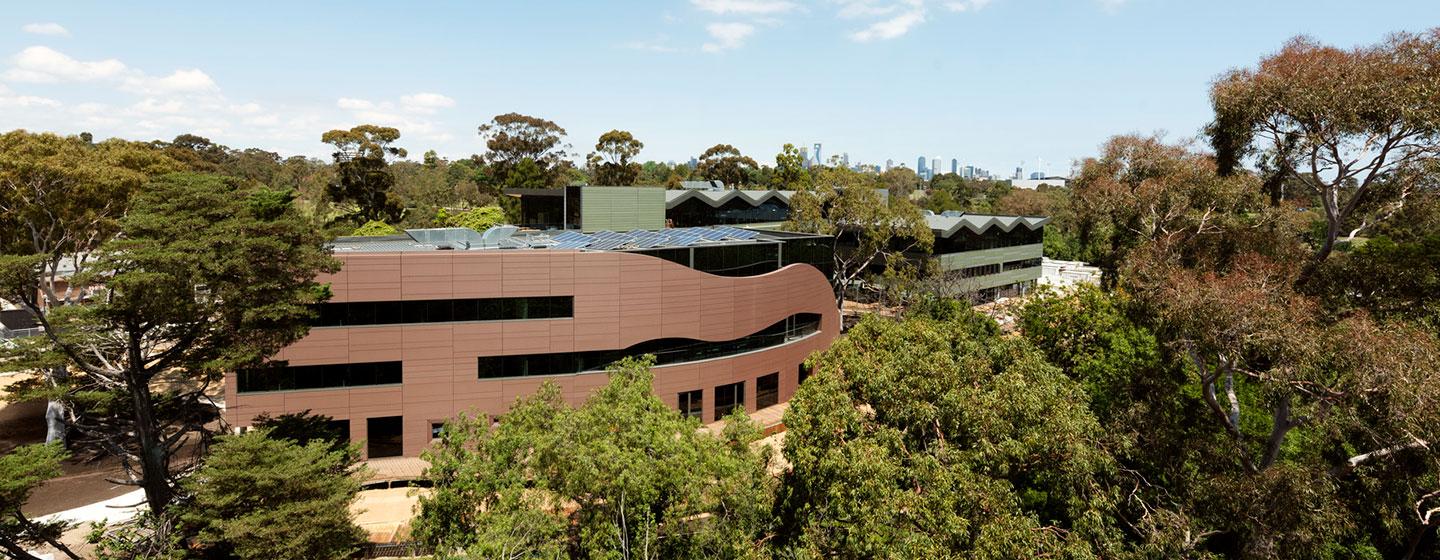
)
(1352, 127)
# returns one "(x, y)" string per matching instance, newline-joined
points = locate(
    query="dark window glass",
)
(435, 429)
(804, 373)
(385, 436)
(767, 390)
(339, 430)
(692, 403)
(728, 398)
(667, 351)
(329, 376)
(357, 313)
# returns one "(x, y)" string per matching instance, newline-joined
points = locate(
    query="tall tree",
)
(612, 161)
(1142, 189)
(723, 162)
(259, 497)
(790, 173)
(1352, 126)
(61, 197)
(867, 230)
(623, 476)
(205, 275)
(512, 138)
(362, 160)
(929, 438)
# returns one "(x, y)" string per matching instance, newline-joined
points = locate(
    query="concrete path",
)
(119, 508)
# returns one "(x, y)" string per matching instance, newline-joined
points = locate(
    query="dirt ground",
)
(82, 482)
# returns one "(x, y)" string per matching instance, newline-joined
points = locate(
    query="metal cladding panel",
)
(619, 299)
(622, 208)
(966, 259)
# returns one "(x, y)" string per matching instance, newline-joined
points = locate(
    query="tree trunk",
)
(154, 463)
(55, 411)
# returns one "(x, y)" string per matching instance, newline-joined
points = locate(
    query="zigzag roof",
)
(717, 199)
(947, 224)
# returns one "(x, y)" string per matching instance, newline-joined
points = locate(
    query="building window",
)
(804, 373)
(982, 270)
(436, 430)
(728, 398)
(667, 351)
(692, 403)
(337, 430)
(359, 313)
(328, 376)
(1027, 263)
(385, 436)
(767, 390)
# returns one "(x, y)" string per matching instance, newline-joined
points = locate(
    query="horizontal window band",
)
(364, 313)
(667, 351)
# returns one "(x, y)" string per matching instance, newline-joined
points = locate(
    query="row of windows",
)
(966, 240)
(329, 376)
(357, 313)
(749, 259)
(666, 351)
(1026, 263)
(731, 396)
(982, 270)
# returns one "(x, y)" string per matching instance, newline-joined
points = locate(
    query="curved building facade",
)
(416, 334)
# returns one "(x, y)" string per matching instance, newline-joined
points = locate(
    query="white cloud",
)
(48, 28)
(855, 9)
(47, 65)
(966, 5)
(27, 101)
(892, 27)
(727, 36)
(153, 105)
(745, 7)
(353, 104)
(180, 81)
(425, 102)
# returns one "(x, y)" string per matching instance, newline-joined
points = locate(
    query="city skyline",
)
(681, 75)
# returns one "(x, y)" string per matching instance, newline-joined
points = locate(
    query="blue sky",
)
(990, 82)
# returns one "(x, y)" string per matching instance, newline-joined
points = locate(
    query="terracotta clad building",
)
(434, 323)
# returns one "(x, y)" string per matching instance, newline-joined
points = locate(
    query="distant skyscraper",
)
(845, 159)
(889, 164)
(920, 167)
(818, 160)
(804, 156)
(954, 166)
(1019, 173)
(969, 172)
(935, 168)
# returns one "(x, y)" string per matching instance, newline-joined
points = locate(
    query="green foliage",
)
(623, 475)
(513, 138)
(22, 469)
(924, 438)
(844, 203)
(723, 162)
(227, 269)
(301, 428)
(478, 219)
(611, 163)
(375, 228)
(1391, 280)
(790, 173)
(269, 498)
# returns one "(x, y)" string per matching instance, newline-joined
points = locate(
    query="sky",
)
(992, 83)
